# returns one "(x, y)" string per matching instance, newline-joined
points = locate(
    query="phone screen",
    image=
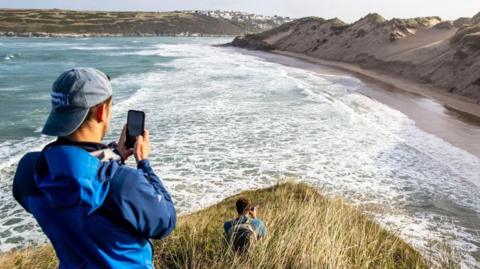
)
(135, 126)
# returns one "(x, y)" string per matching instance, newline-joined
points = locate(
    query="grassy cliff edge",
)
(305, 230)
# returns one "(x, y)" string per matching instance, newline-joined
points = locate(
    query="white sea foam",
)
(99, 47)
(173, 50)
(12, 56)
(53, 44)
(12, 89)
(222, 122)
(17, 227)
(12, 151)
(148, 52)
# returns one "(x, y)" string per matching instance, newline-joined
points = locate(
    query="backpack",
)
(242, 234)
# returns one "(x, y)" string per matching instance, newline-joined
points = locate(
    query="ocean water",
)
(222, 120)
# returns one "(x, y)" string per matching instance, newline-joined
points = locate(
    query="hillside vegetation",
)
(55, 22)
(305, 230)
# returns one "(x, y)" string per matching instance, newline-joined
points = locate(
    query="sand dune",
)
(444, 54)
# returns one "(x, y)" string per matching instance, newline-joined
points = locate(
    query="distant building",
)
(251, 20)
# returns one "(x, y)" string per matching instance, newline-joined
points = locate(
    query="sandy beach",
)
(453, 118)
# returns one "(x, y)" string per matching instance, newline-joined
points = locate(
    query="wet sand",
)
(452, 118)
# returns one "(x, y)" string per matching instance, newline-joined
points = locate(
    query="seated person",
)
(246, 227)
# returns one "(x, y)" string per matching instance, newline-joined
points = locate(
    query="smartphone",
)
(135, 126)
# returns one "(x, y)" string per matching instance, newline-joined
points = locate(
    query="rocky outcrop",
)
(251, 42)
(476, 19)
(401, 28)
(461, 22)
(427, 50)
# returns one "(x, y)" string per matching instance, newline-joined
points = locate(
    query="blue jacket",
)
(96, 214)
(256, 223)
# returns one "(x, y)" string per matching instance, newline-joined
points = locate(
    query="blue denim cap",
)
(74, 92)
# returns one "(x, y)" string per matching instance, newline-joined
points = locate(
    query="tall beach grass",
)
(304, 230)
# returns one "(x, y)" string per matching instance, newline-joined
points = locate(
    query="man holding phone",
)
(96, 211)
(246, 228)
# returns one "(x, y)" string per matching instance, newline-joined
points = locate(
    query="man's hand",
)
(122, 150)
(253, 212)
(142, 146)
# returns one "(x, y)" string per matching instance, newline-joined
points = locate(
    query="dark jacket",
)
(97, 214)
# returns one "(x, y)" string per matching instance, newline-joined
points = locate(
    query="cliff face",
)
(427, 50)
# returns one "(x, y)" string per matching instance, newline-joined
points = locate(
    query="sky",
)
(347, 10)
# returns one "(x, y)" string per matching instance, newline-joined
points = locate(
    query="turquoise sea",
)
(223, 120)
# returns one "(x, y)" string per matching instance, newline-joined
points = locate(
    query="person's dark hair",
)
(243, 205)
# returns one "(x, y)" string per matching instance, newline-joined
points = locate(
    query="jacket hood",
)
(70, 176)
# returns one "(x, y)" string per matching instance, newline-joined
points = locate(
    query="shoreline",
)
(454, 101)
(74, 35)
(453, 118)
